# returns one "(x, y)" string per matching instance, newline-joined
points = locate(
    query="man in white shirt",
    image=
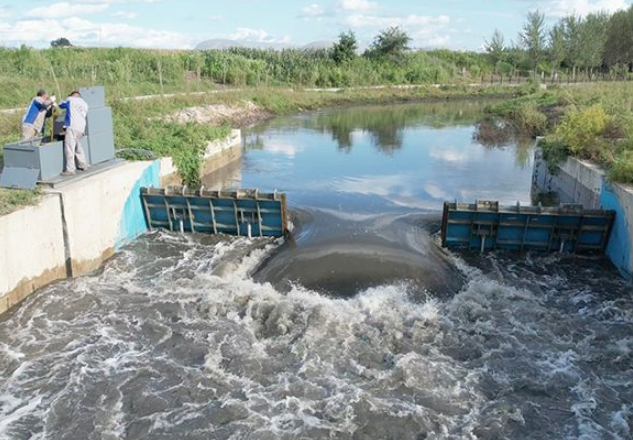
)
(75, 126)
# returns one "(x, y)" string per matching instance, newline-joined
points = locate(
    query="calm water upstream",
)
(357, 327)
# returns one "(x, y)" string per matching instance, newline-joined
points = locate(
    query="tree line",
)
(599, 43)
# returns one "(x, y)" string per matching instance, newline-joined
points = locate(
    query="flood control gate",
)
(242, 213)
(486, 226)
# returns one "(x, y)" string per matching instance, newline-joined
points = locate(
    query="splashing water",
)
(174, 340)
(359, 327)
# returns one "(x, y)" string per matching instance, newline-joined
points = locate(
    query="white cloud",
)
(357, 5)
(258, 35)
(59, 10)
(426, 31)
(562, 8)
(5, 13)
(361, 20)
(312, 11)
(111, 2)
(125, 15)
(83, 32)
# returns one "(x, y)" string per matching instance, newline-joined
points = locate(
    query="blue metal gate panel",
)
(486, 226)
(241, 213)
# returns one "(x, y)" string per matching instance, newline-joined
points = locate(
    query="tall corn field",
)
(130, 72)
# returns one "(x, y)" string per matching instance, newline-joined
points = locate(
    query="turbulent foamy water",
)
(357, 327)
(174, 340)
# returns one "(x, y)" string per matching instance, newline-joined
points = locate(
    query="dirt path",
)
(219, 114)
(289, 89)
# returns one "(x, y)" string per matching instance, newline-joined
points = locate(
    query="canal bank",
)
(583, 182)
(77, 227)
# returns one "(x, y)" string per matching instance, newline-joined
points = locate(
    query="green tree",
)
(532, 37)
(495, 47)
(593, 36)
(517, 57)
(344, 50)
(390, 43)
(573, 42)
(619, 39)
(61, 42)
(556, 50)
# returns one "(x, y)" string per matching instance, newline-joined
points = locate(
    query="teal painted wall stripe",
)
(133, 222)
(619, 248)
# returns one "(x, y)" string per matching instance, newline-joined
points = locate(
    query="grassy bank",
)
(140, 125)
(132, 129)
(593, 122)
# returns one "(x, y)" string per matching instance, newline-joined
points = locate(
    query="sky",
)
(182, 24)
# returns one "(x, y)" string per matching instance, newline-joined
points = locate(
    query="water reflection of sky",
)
(422, 159)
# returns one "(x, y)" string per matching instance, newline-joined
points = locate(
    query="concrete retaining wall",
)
(75, 229)
(583, 182)
(576, 181)
(32, 252)
(103, 212)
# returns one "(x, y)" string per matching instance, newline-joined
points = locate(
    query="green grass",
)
(622, 168)
(592, 121)
(12, 199)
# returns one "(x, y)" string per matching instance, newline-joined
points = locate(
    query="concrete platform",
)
(62, 181)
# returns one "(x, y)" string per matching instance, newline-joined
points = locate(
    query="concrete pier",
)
(76, 228)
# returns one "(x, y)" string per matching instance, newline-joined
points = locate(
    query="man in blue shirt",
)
(33, 120)
(75, 126)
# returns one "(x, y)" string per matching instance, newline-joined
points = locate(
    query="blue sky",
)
(455, 24)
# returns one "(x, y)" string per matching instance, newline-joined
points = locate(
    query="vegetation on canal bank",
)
(142, 125)
(593, 122)
(12, 199)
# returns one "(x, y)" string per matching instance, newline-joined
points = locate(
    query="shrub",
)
(554, 153)
(185, 143)
(529, 119)
(622, 169)
(580, 129)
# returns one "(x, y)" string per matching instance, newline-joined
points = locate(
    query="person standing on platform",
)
(33, 120)
(75, 126)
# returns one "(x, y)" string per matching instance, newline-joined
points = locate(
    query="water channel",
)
(357, 327)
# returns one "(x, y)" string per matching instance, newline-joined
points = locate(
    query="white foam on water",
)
(177, 338)
(619, 424)
(15, 413)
